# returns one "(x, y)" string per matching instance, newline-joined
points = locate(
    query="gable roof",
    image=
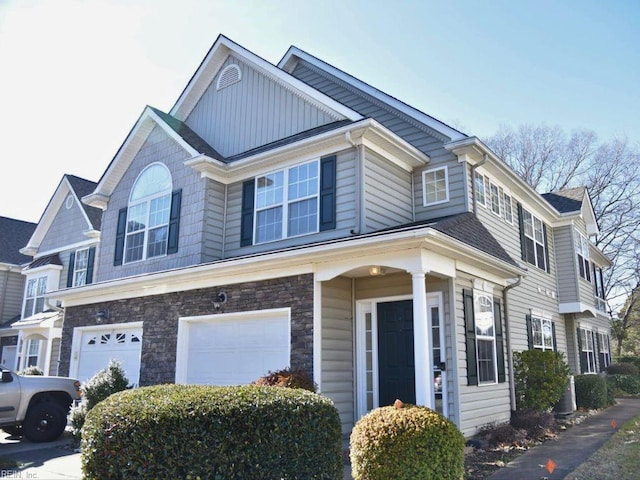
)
(574, 201)
(14, 234)
(213, 61)
(290, 59)
(76, 187)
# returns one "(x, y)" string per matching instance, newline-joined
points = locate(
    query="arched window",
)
(148, 214)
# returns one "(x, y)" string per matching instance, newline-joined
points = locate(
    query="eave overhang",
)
(287, 262)
(367, 132)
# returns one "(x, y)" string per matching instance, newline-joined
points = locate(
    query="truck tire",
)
(45, 422)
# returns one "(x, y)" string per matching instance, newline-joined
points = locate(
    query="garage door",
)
(235, 350)
(99, 346)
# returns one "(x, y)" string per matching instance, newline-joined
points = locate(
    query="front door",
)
(396, 368)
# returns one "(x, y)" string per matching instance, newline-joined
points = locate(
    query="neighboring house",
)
(293, 215)
(63, 247)
(13, 236)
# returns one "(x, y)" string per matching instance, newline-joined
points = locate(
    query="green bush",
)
(103, 384)
(630, 359)
(197, 431)
(622, 369)
(288, 378)
(540, 377)
(408, 443)
(623, 384)
(591, 391)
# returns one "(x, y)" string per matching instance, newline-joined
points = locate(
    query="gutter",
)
(512, 387)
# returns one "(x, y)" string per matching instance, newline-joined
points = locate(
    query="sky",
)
(76, 74)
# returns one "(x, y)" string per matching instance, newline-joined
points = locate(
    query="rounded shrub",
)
(197, 431)
(406, 442)
(623, 368)
(591, 391)
(288, 378)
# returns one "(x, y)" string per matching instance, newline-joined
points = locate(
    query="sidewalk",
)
(42, 461)
(573, 446)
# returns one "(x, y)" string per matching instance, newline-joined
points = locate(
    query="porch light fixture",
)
(219, 300)
(376, 270)
(102, 315)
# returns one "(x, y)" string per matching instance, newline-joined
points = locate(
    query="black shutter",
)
(523, 246)
(91, 258)
(529, 331)
(470, 334)
(246, 225)
(72, 261)
(546, 247)
(497, 321)
(601, 365)
(328, 193)
(553, 336)
(174, 222)
(121, 231)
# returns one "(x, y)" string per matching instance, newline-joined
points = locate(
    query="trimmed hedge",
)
(623, 384)
(196, 431)
(406, 443)
(540, 378)
(591, 391)
(622, 369)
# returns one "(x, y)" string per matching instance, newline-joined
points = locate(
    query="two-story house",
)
(63, 246)
(293, 215)
(13, 236)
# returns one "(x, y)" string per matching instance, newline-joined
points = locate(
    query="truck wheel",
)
(45, 422)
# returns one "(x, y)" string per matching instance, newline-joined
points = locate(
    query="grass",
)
(619, 458)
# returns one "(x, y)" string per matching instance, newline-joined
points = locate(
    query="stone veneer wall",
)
(160, 314)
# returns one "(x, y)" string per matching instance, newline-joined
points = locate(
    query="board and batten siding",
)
(253, 112)
(345, 212)
(12, 284)
(479, 404)
(338, 371)
(158, 147)
(387, 196)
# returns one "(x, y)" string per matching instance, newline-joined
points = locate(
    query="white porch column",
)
(422, 342)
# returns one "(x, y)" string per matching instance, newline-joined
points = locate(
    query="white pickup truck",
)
(36, 406)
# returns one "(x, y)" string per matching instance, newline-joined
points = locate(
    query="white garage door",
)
(235, 349)
(120, 343)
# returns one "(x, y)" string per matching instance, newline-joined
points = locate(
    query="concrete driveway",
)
(44, 461)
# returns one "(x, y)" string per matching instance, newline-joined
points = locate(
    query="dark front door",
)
(396, 371)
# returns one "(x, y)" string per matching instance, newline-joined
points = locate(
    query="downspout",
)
(473, 182)
(507, 331)
(359, 184)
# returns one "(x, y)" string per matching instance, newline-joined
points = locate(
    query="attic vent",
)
(230, 75)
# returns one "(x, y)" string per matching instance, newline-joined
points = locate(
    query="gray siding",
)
(567, 268)
(12, 293)
(483, 404)
(388, 200)
(215, 197)
(337, 349)
(345, 212)
(55, 356)
(157, 148)
(66, 229)
(253, 112)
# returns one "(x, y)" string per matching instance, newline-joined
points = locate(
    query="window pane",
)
(484, 315)
(479, 179)
(528, 223)
(303, 181)
(435, 184)
(159, 211)
(495, 199)
(542, 263)
(508, 209)
(537, 332)
(486, 368)
(269, 225)
(270, 190)
(42, 285)
(137, 217)
(539, 231)
(303, 217)
(155, 179)
(135, 247)
(157, 241)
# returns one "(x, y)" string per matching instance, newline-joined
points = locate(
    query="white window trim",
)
(424, 186)
(476, 296)
(589, 333)
(544, 245)
(285, 204)
(76, 270)
(487, 195)
(581, 243)
(543, 319)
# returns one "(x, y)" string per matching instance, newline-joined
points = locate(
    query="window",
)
(34, 296)
(30, 350)
(435, 186)
(542, 333)
(147, 226)
(507, 208)
(480, 189)
(533, 239)
(587, 351)
(485, 338)
(80, 267)
(287, 203)
(495, 198)
(582, 249)
(604, 351)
